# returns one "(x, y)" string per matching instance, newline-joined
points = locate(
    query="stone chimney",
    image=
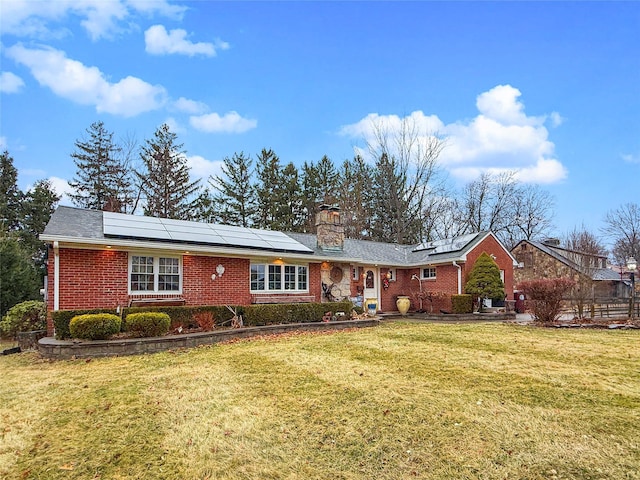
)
(329, 228)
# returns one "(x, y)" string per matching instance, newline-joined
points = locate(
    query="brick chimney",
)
(329, 228)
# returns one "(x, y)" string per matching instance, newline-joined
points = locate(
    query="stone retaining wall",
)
(49, 347)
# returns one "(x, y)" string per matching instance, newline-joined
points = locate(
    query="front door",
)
(370, 286)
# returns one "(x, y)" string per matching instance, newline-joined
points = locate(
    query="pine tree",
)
(484, 279)
(10, 194)
(269, 173)
(165, 179)
(319, 184)
(355, 198)
(289, 216)
(19, 276)
(39, 204)
(102, 178)
(234, 195)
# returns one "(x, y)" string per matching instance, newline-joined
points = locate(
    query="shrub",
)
(544, 297)
(24, 317)
(484, 279)
(147, 324)
(461, 303)
(272, 314)
(205, 320)
(94, 326)
(62, 318)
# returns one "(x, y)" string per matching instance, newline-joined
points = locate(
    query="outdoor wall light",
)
(220, 269)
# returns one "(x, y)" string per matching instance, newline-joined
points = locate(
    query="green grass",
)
(399, 401)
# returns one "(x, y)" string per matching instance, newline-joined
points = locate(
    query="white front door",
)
(370, 285)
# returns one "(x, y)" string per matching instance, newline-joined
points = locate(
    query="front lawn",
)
(398, 401)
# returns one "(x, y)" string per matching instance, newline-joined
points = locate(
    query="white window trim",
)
(156, 270)
(422, 277)
(282, 290)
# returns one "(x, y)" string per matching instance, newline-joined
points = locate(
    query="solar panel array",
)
(150, 228)
(447, 245)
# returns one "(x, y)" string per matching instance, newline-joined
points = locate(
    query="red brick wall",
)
(99, 279)
(503, 259)
(231, 288)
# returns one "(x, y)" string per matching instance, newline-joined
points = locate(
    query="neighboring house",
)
(548, 260)
(108, 260)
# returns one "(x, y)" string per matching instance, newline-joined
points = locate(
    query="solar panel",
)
(181, 231)
(446, 245)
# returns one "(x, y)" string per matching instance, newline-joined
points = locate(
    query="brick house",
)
(102, 259)
(549, 260)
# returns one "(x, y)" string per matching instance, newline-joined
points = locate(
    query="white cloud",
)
(10, 83)
(556, 119)
(62, 188)
(231, 122)
(174, 126)
(500, 138)
(203, 168)
(629, 158)
(100, 18)
(3, 143)
(160, 42)
(190, 106)
(74, 81)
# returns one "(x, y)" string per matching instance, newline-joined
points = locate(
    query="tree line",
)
(395, 190)
(398, 194)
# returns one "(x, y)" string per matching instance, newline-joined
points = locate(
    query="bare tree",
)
(407, 173)
(532, 215)
(623, 227)
(586, 250)
(488, 202)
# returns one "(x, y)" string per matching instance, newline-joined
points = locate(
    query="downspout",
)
(56, 276)
(455, 264)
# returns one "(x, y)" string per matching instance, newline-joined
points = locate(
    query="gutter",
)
(455, 264)
(56, 275)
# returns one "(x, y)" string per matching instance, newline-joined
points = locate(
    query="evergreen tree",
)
(39, 204)
(102, 178)
(484, 279)
(311, 195)
(355, 197)
(165, 180)
(19, 278)
(10, 194)
(319, 184)
(289, 217)
(234, 195)
(269, 173)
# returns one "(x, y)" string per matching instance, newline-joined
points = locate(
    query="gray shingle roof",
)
(599, 274)
(390, 254)
(86, 226)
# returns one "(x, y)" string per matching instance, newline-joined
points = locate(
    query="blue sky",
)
(549, 89)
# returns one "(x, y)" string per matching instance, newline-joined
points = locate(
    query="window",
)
(429, 272)
(278, 278)
(148, 274)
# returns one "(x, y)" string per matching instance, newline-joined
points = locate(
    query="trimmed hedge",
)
(62, 318)
(94, 326)
(461, 304)
(187, 316)
(147, 324)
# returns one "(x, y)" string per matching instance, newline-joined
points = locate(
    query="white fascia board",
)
(205, 250)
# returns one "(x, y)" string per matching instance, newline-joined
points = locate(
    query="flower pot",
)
(403, 303)
(371, 305)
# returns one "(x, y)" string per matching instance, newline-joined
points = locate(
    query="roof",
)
(82, 227)
(599, 274)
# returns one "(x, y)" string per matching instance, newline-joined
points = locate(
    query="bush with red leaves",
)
(544, 297)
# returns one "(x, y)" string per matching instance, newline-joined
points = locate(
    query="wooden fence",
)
(603, 308)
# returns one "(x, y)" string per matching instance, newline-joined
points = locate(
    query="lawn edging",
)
(52, 348)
